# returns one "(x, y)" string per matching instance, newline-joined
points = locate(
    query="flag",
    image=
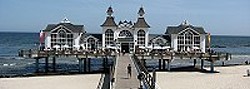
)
(42, 36)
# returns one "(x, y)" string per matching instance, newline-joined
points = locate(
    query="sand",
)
(85, 81)
(232, 77)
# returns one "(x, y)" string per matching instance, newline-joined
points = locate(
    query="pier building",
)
(125, 36)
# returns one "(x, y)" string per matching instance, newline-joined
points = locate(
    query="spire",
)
(109, 19)
(185, 22)
(65, 20)
(141, 12)
(109, 11)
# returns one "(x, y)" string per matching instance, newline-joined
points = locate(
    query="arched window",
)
(159, 42)
(141, 37)
(125, 33)
(91, 43)
(109, 37)
(62, 34)
(188, 40)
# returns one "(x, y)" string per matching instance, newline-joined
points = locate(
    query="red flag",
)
(42, 36)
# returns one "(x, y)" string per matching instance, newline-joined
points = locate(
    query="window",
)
(188, 40)
(61, 38)
(125, 33)
(91, 43)
(109, 37)
(141, 37)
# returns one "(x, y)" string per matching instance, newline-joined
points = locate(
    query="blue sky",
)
(219, 17)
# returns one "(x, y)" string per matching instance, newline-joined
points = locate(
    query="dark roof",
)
(109, 22)
(141, 23)
(73, 28)
(178, 29)
(96, 35)
(153, 36)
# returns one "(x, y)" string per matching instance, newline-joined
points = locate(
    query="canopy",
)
(66, 46)
(56, 46)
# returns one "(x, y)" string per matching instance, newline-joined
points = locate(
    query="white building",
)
(125, 35)
(186, 37)
(62, 35)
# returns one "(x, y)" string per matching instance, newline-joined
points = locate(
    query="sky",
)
(218, 17)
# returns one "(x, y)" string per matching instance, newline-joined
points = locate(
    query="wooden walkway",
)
(122, 81)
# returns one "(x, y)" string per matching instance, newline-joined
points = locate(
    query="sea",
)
(12, 65)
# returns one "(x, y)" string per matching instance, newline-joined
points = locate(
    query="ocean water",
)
(11, 64)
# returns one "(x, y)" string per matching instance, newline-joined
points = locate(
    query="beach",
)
(230, 77)
(86, 81)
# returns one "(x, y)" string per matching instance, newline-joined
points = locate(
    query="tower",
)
(141, 29)
(108, 28)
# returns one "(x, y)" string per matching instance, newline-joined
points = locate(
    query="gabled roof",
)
(141, 23)
(109, 22)
(178, 29)
(97, 36)
(154, 36)
(73, 28)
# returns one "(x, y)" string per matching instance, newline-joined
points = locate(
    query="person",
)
(248, 72)
(129, 70)
(123, 52)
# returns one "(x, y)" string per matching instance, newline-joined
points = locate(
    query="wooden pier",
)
(117, 75)
(168, 57)
(83, 57)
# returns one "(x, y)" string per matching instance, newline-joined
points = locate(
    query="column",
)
(164, 64)
(159, 64)
(85, 65)
(168, 65)
(89, 65)
(212, 66)
(194, 62)
(37, 64)
(80, 65)
(54, 64)
(46, 64)
(202, 64)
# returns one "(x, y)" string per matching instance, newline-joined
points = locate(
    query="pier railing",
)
(146, 77)
(34, 53)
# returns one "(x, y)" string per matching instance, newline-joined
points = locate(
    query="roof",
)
(96, 35)
(153, 36)
(73, 28)
(141, 23)
(178, 29)
(109, 22)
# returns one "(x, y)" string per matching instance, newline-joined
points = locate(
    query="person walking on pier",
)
(129, 71)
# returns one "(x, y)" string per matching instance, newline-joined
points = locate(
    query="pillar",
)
(89, 65)
(164, 64)
(37, 64)
(168, 65)
(54, 64)
(202, 64)
(103, 63)
(85, 65)
(160, 64)
(80, 65)
(194, 62)
(47, 64)
(212, 66)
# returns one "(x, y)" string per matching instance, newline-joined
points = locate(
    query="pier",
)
(83, 57)
(116, 75)
(122, 80)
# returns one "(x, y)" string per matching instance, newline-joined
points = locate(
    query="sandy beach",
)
(231, 77)
(86, 81)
